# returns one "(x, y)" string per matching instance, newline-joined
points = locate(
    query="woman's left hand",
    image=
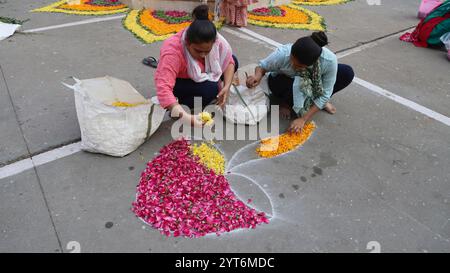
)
(222, 96)
(296, 125)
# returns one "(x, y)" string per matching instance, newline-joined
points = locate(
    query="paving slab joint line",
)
(34, 167)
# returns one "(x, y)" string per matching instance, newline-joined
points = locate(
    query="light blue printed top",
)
(279, 63)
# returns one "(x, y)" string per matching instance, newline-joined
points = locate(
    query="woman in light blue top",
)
(304, 75)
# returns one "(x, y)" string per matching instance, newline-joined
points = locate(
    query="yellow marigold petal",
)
(284, 143)
(294, 19)
(209, 156)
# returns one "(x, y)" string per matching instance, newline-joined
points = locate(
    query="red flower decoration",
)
(179, 196)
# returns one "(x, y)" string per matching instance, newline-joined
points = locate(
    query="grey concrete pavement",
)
(374, 171)
(355, 22)
(12, 145)
(402, 67)
(25, 224)
(44, 106)
(22, 10)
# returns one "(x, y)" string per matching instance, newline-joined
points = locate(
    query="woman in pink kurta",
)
(196, 62)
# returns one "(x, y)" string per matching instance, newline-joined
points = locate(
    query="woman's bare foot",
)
(330, 108)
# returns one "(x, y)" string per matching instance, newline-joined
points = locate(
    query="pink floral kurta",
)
(235, 11)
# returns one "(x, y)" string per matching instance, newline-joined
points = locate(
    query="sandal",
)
(150, 61)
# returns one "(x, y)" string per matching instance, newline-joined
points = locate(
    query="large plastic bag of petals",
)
(247, 105)
(114, 118)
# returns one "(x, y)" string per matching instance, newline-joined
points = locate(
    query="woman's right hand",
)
(253, 81)
(196, 121)
(186, 118)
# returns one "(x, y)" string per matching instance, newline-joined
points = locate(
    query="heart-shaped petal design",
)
(180, 196)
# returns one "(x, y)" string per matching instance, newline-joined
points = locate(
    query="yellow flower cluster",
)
(82, 9)
(210, 157)
(206, 118)
(131, 23)
(292, 16)
(83, 6)
(124, 104)
(158, 26)
(296, 18)
(150, 29)
(286, 142)
(319, 2)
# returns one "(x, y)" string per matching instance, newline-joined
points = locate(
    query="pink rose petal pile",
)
(180, 196)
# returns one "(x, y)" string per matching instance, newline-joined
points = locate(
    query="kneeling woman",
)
(304, 75)
(192, 64)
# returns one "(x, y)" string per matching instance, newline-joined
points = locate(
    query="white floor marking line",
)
(417, 107)
(370, 86)
(246, 37)
(260, 37)
(55, 154)
(16, 168)
(89, 21)
(40, 159)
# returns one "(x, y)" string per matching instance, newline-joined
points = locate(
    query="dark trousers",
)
(186, 89)
(281, 85)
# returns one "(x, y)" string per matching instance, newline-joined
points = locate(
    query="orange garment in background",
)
(235, 11)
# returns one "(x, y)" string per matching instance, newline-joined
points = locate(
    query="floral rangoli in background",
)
(287, 16)
(155, 25)
(319, 2)
(86, 7)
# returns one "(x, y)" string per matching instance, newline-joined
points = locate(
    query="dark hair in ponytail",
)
(201, 12)
(320, 38)
(307, 50)
(201, 30)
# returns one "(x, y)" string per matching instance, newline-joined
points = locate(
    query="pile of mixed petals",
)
(180, 196)
(284, 143)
